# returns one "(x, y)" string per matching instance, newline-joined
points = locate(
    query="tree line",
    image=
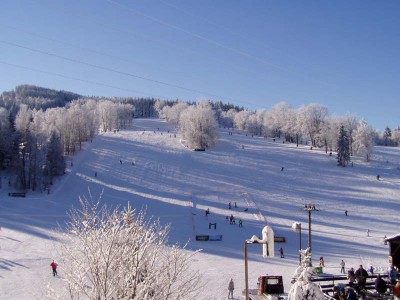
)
(34, 143)
(309, 125)
(40, 127)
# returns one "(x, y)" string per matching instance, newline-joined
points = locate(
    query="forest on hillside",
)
(41, 127)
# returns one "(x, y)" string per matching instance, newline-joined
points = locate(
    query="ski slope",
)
(177, 185)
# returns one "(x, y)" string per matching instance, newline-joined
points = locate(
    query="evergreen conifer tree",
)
(343, 147)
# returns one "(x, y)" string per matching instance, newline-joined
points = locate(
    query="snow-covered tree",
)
(227, 117)
(172, 114)
(241, 119)
(311, 118)
(350, 123)
(277, 117)
(292, 126)
(396, 136)
(198, 126)
(303, 288)
(120, 254)
(343, 147)
(158, 106)
(363, 140)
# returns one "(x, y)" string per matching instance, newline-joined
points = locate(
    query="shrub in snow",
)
(120, 254)
(198, 126)
(303, 288)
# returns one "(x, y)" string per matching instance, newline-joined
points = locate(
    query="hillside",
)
(177, 185)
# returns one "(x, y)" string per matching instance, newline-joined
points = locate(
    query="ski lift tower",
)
(310, 208)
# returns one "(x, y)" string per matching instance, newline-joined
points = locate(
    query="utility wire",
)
(216, 43)
(198, 36)
(64, 43)
(73, 78)
(111, 70)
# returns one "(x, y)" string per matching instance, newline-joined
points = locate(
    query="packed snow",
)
(270, 182)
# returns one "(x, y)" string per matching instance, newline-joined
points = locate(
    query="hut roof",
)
(393, 238)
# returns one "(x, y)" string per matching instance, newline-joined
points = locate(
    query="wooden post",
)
(246, 272)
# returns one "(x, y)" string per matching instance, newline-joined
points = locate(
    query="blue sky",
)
(342, 54)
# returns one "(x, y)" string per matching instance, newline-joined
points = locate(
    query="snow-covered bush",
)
(120, 254)
(303, 288)
(198, 126)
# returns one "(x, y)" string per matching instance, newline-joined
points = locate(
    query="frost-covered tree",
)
(172, 114)
(311, 118)
(396, 136)
(121, 254)
(227, 117)
(198, 126)
(363, 140)
(292, 126)
(343, 147)
(277, 117)
(158, 106)
(350, 123)
(241, 119)
(303, 288)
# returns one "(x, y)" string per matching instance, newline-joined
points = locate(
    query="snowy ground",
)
(178, 185)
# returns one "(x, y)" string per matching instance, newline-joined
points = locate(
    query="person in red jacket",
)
(54, 268)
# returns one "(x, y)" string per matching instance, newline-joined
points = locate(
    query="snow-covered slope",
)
(177, 185)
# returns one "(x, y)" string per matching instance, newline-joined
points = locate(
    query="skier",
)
(240, 223)
(120, 161)
(207, 211)
(230, 205)
(345, 212)
(282, 168)
(378, 177)
(231, 287)
(281, 252)
(368, 232)
(342, 264)
(54, 268)
(235, 205)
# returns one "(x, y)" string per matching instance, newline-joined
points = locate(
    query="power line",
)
(198, 36)
(216, 43)
(65, 43)
(72, 78)
(112, 70)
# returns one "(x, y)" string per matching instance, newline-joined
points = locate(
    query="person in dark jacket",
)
(361, 276)
(351, 294)
(380, 285)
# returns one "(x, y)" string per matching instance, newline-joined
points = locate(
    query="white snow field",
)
(177, 185)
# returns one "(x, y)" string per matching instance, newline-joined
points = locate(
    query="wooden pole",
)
(246, 272)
